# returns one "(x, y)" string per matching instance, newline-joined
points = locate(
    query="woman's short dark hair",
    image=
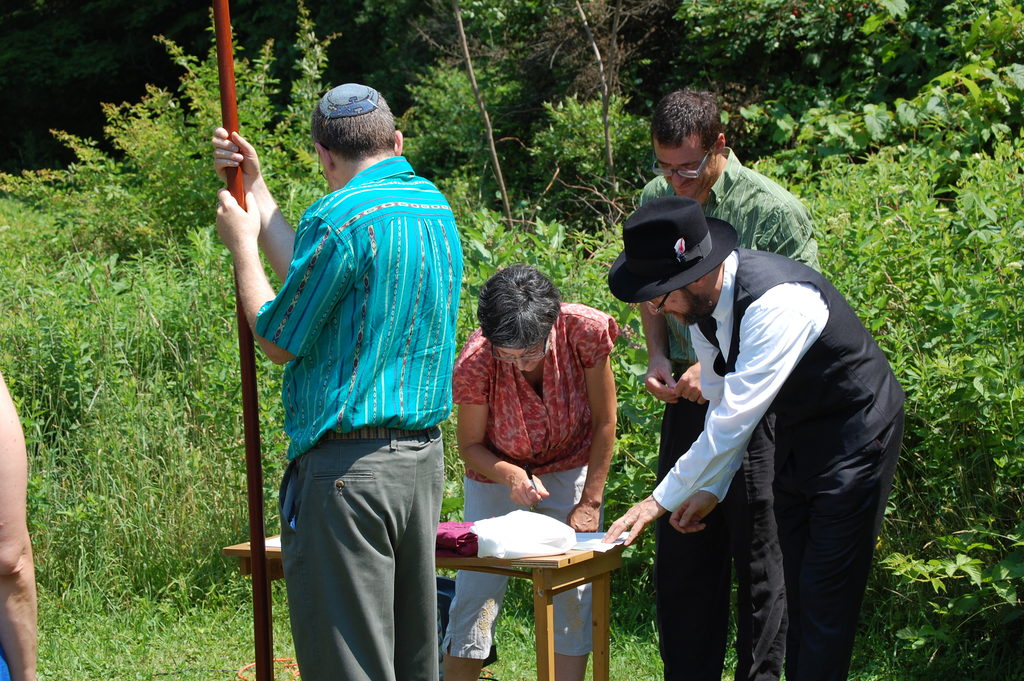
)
(517, 307)
(356, 137)
(683, 113)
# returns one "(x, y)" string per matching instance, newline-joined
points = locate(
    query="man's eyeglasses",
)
(526, 357)
(684, 173)
(661, 303)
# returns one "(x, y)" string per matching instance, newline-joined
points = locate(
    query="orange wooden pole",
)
(250, 404)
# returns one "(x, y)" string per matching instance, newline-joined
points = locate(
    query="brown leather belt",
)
(379, 433)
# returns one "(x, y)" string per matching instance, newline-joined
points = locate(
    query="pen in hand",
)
(529, 475)
(533, 483)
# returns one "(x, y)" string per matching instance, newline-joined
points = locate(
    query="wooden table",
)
(551, 575)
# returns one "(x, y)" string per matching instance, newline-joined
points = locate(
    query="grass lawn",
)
(153, 640)
(146, 640)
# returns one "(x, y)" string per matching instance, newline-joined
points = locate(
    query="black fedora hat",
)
(667, 244)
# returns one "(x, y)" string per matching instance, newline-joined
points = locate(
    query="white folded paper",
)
(593, 541)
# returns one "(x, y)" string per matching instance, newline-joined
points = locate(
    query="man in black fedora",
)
(797, 381)
(692, 159)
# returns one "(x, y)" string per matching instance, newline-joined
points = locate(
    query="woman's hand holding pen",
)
(526, 489)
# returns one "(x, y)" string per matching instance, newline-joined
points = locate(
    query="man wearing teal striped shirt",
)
(692, 571)
(365, 323)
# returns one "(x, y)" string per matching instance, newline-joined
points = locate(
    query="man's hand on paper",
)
(635, 520)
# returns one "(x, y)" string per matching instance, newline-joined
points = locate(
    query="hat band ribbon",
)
(666, 267)
(700, 251)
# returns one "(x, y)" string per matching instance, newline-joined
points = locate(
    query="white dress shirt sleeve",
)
(776, 331)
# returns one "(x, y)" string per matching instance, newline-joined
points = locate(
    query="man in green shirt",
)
(692, 571)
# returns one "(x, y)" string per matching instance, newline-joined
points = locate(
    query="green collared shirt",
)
(766, 218)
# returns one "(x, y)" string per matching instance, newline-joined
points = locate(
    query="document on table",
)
(591, 541)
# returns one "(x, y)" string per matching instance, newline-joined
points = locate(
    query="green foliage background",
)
(897, 122)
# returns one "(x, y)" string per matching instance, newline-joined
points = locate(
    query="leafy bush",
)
(964, 110)
(741, 40)
(569, 161)
(937, 281)
(859, 75)
(160, 185)
(445, 135)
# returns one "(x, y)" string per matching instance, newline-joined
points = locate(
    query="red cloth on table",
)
(454, 539)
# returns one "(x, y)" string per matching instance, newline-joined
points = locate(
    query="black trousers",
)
(692, 573)
(829, 514)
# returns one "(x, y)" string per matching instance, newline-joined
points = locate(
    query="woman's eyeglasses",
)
(525, 357)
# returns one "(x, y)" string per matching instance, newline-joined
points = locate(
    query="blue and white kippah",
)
(350, 99)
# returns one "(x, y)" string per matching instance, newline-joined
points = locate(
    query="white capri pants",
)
(478, 595)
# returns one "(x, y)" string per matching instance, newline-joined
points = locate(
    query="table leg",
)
(544, 618)
(601, 598)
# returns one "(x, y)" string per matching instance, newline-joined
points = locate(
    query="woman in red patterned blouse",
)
(536, 428)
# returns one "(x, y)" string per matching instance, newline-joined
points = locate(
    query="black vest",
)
(842, 393)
